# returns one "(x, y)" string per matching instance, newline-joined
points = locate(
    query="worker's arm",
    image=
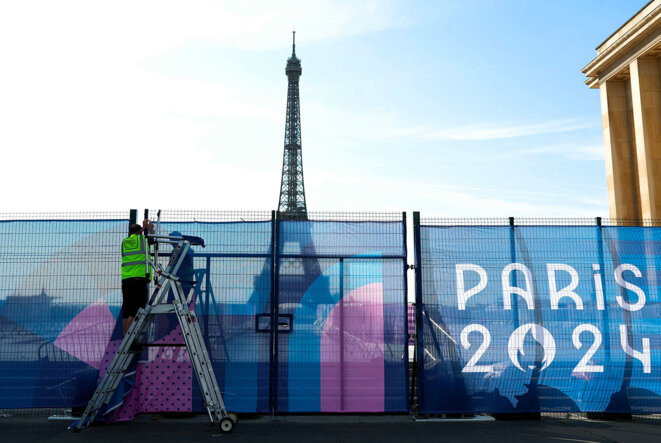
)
(148, 226)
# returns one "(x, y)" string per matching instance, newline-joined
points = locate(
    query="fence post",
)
(604, 312)
(207, 298)
(275, 270)
(133, 216)
(418, 369)
(409, 374)
(341, 303)
(513, 279)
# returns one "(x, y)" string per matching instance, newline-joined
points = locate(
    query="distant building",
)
(627, 71)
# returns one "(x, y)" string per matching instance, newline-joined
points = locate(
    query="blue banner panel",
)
(539, 319)
(233, 274)
(335, 340)
(60, 293)
(341, 298)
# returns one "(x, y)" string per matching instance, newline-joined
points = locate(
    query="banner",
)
(342, 296)
(60, 292)
(308, 318)
(539, 318)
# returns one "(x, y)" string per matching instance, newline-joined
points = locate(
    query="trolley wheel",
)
(233, 416)
(226, 425)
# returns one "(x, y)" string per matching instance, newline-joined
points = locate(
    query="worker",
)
(135, 272)
(186, 274)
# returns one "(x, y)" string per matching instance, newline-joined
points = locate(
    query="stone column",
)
(646, 101)
(621, 169)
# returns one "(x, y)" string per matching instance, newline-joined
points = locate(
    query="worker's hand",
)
(146, 224)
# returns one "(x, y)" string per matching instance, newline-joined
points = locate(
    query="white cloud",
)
(372, 192)
(492, 131)
(386, 124)
(82, 117)
(85, 125)
(572, 151)
(127, 29)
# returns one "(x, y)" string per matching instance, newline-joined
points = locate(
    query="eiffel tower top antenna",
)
(292, 189)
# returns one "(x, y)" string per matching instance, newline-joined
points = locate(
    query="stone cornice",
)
(637, 36)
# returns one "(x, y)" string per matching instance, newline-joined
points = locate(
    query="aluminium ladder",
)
(190, 328)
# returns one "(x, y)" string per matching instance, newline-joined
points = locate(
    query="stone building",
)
(627, 72)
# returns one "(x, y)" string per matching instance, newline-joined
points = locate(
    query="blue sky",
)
(450, 108)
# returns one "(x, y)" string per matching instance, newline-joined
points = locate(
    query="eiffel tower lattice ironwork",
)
(292, 189)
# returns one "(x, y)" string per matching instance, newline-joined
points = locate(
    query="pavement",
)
(336, 428)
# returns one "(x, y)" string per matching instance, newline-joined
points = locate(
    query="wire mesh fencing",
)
(553, 316)
(309, 314)
(537, 221)
(299, 314)
(341, 305)
(233, 272)
(59, 287)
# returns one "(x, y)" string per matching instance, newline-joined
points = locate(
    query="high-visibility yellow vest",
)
(134, 257)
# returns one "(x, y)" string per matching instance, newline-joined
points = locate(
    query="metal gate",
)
(305, 315)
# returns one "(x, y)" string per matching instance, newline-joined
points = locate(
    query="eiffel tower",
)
(292, 205)
(292, 190)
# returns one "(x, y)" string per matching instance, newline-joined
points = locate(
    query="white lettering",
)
(567, 291)
(643, 357)
(486, 341)
(598, 288)
(462, 294)
(508, 290)
(630, 286)
(584, 365)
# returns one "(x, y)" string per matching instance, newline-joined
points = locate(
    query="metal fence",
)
(538, 315)
(299, 315)
(309, 314)
(53, 268)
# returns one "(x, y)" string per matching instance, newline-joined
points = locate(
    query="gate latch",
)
(263, 322)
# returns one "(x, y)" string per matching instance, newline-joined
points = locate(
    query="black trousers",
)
(135, 292)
